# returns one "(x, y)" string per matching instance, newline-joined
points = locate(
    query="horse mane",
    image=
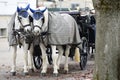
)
(30, 19)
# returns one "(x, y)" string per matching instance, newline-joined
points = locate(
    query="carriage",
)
(87, 34)
(77, 28)
(87, 41)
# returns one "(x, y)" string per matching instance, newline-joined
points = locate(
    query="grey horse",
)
(19, 31)
(55, 30)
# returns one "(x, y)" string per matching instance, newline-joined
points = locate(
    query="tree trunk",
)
(107, 57)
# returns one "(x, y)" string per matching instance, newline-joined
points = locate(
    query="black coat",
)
(92, 21)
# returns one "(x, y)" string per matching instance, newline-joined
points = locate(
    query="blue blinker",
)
(23, 13)
(37, 15)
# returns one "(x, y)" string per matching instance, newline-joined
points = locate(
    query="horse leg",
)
(44, 58)
(60, 50)
(67, 51)
(25, 49)
(14, 54)
(54, 57)
(31, 58)
(90, 50)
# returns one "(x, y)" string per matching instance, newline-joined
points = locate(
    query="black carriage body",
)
(85, 26)
(82, 21)
(86, 34)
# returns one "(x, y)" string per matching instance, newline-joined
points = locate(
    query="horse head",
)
(38, 20)
(23, 18)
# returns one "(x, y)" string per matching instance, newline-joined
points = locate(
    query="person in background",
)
(93, 23)
(92, 32)
(92, 19)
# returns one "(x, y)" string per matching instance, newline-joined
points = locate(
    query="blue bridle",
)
(23, 13)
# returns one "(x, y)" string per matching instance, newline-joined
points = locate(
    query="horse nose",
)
(28, 29)
(36, 31)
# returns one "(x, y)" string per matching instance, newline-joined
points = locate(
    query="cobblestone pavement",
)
(74, 69)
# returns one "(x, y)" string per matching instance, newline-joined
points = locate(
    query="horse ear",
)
(32, 10)
(18, 9)
(27, 7)
(43, 10)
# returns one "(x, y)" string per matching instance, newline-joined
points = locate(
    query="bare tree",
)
(107, 57)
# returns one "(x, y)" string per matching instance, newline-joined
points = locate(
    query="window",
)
(74, 5)
(3, 3)
(50, 0)
(3, 32)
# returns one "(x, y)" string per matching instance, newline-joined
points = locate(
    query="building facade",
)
(7, 9)
(66, 3)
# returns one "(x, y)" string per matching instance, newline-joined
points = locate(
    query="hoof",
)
(55, 74)
(65, 71)
(31, 70)
(43, 74)
(13, 73)
(25, 73)
(59, 70)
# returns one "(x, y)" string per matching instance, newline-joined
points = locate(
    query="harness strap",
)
(44, 35)
(21, 22)
(16, 33)
(38, 26)
(29, 45)
(26, 25)
(42, 38)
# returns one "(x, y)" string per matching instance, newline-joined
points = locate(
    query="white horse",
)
(41, 28)
(19, 30)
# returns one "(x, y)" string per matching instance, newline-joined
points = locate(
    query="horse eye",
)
(20, 18)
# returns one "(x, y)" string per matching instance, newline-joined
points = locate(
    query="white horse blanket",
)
(63, 29)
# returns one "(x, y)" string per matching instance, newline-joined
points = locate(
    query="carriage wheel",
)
(84, 53)
(37, 62)
(83, 62)
(37, 59)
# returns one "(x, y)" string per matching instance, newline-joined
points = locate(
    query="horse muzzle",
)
(36, 31)
(28, 29)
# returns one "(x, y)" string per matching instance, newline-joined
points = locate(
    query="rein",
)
(27, 36)
(42, 35)
(38, 27)
(16, 32)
